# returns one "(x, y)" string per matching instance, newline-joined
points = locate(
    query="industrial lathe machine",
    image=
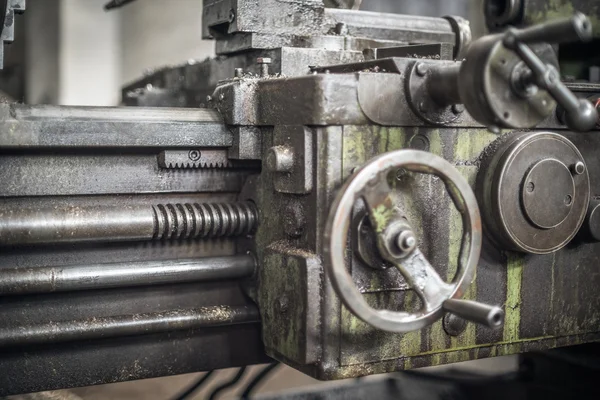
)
(346, 192)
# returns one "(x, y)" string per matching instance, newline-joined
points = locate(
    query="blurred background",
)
(72, 52)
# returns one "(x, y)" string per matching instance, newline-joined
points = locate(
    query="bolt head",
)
(578, 168)
(421, 69)
(458, 108)
(454, 325)
(263, 60)
(406, 241)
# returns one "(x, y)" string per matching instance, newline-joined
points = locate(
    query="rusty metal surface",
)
(298, 111)
(539, 313)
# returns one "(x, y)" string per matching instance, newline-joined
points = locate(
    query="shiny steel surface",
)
(24, 280)
(76, 224)
(483, 314)
(126, 325)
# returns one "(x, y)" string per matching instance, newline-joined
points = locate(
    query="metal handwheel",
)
(397, 244)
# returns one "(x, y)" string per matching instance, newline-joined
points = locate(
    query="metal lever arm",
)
(581, 115)
(577, 28)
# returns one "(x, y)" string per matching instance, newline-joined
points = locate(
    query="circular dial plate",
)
(532, 201)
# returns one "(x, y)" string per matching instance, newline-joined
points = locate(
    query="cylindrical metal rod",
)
(126, 325)
(74, 224)
(490, 316)
(442, 84)
(571, 29)
(17, 280)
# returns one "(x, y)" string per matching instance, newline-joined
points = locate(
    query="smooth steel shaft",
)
(18, 280)
(126, 325)
(75, 224)
(442, 84)
(490, 316)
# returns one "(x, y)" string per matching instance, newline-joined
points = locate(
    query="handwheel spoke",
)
(424, 279)
(378, 199)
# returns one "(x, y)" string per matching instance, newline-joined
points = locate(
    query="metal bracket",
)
(297, 177)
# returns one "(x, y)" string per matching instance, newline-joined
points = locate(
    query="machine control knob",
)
(507, 80)
(580, 114)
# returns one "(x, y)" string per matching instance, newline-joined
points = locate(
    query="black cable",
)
(258, 379)
(194, 387)
(227, 384)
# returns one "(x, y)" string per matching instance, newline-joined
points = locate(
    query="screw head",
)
(194, 155)
(263, 60)
(421, 69)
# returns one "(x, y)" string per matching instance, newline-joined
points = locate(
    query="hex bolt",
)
(578, 168)
(239, 73)
(280, 159)
(406, 241)
(264, 66)
(421, 69)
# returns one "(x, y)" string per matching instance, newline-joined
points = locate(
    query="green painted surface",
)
(361, 144)
(382, 215)
(512, 309)
(383, 351)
